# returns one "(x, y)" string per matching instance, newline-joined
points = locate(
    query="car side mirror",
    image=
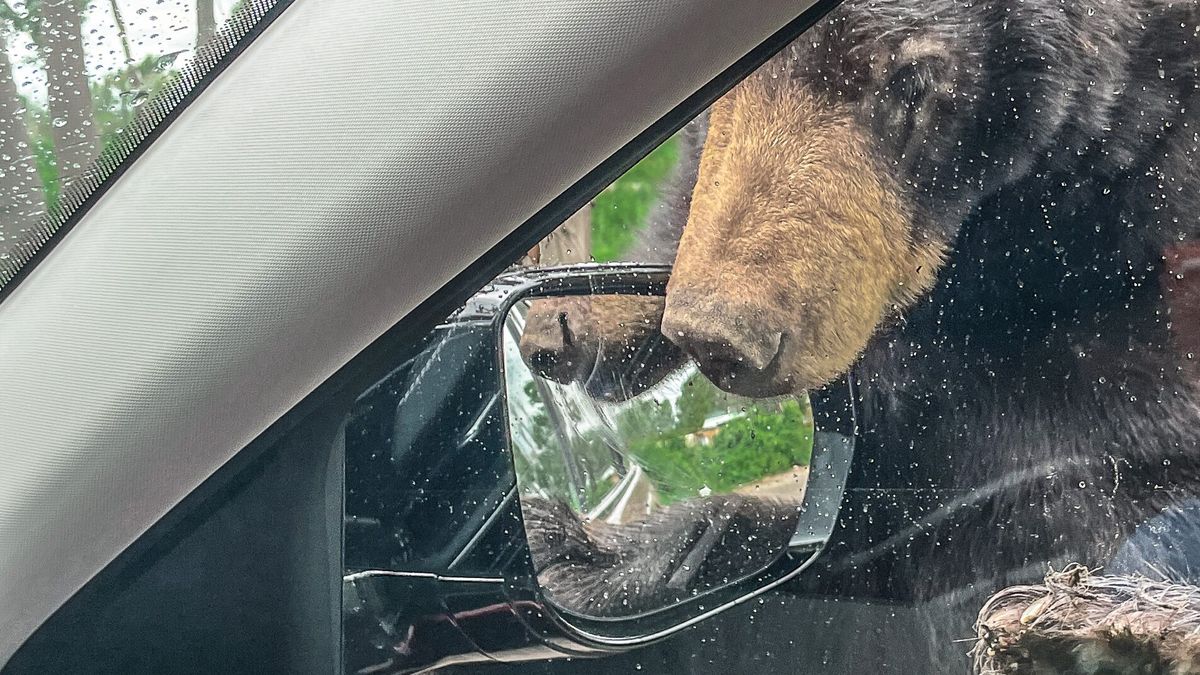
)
(566, 482)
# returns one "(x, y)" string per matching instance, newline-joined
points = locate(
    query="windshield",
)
(82, 86)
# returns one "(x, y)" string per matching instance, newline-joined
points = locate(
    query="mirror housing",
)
(468, 588)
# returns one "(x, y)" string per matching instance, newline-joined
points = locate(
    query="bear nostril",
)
(568, 337)
(722, 355)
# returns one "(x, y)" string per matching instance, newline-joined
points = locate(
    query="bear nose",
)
(721, 336)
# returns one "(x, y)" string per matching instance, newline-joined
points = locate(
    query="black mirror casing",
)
(465, 587)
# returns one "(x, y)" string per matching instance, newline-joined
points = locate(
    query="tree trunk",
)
(206, 20)
(122, 33)
(21, 199)
(570, 243)
(70, 101)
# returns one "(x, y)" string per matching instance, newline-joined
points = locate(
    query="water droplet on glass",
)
(167, 60)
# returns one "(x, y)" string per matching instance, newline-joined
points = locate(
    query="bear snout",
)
(730, 342)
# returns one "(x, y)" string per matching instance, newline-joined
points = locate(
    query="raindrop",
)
(167, 60)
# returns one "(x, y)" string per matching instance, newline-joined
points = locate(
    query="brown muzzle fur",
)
(798, 245)
(610, 344)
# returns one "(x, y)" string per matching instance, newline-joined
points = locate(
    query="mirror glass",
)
(642, 483)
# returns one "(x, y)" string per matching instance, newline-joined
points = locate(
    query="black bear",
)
(968, 207)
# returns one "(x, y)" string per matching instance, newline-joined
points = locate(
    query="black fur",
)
(599, 569)
(1033, 407)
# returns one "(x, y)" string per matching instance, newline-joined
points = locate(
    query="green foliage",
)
(696, 402)
(620, 211)
(540, 423)
(693, 439)
(584, 482)
(116, 99)
(43, 154)
(117, 96)
(763, 443)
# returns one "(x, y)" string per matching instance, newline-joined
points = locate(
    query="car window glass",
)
(82, 84)
(425, 456)
(985, 214)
